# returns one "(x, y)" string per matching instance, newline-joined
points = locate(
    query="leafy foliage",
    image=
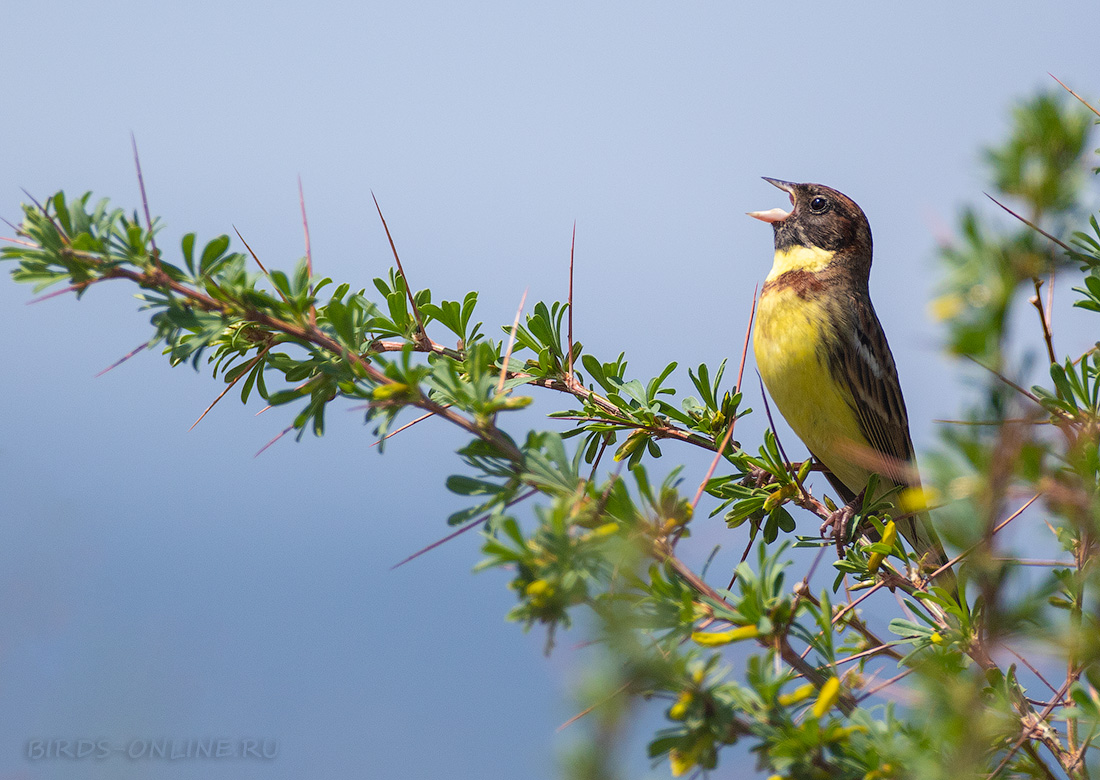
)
(809, 696)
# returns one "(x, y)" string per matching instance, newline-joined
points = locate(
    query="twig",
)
(1034, 671)
(1037, 302)
(1028, 728)
(868, 694)
(976, 545)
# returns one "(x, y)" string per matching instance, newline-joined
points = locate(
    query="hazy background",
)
(159, 583)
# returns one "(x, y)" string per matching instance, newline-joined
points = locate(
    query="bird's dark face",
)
(819, 217)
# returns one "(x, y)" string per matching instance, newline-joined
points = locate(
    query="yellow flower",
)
(680, 762)
(830, 694)
(717, 638)
(801, 693)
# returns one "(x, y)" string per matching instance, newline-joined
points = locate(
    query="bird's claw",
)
(836, 525)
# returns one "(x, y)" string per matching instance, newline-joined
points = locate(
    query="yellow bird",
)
(823, 356)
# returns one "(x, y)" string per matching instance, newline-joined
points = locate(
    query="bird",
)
(823, 356)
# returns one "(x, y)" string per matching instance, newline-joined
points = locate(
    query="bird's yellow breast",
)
(789, 343)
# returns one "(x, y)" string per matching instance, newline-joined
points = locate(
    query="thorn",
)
(745, 346)
(1009, 382)
(1030, 224)
(254, 257)
(60, 230)
(122, 359)
(251, 365)
(309, 251)
(69, 289)
(407, 425)
(462, 530)
(572, 251)
(733, 422)
(286, 430)
(1070, 91)
(587, 710)
(145, 202)
(408, 287)
(305, 227)
(511, 344)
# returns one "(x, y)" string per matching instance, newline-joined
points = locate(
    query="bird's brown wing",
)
(866, 366)
(864, 363)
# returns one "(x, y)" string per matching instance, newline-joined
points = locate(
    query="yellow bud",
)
(937, 638)
(801, 693)
(678, 710)
(918, 499)
(874, 561)
(386, 392)
(633, 442)
(539, 588)
(890, 534)
(600, 531)
(779, 496)
(829, 695)
(717, 638)
(519, 402)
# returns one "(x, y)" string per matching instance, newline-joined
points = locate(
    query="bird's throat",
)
(800, 258)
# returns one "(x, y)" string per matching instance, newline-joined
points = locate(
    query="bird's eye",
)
(819, 205)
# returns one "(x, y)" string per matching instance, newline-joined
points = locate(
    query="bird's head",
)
(820, 217)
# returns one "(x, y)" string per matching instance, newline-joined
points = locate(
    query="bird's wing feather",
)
(865, 366)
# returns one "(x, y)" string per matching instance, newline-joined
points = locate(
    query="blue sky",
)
(159, 583)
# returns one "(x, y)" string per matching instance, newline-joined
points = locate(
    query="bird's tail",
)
(921, 535)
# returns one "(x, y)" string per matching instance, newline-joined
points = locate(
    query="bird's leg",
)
(757, 477)
(837, 523)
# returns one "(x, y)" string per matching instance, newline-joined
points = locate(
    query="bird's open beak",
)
(777, 214)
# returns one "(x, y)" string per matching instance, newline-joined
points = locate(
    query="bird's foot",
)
(837, 524)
